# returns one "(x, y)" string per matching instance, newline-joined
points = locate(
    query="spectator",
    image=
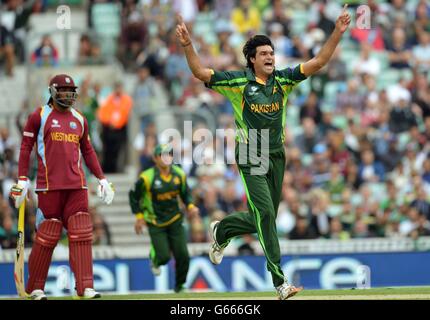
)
(371, 113)
(360, 230)
(413, 159)
(350, 99)
(133, 38)
(149, 96)
(145, 143)
(223, 8)
(326, 22)
(301, 175)
(114, 116)
(318, 210)
(311, 109)
(321, 166)
(326, 125)
(176, 71)
(302, 230)
(46, 54)
(7, 49)
(421, 52)
(87, 103)
(101, 233)
(7, 232)
(392, 156)
(421, 95)
(246, 17)
(399, 51)
(195, 96)
(401, 116)
(336, 230)
(426, 171)
(351, 176)
(338, 152)
(282, 43)
(336, 69)
(246, 248)
(370, 170)
(422, 229)
(410, 222)
(309, 138)
(366, 64)
(197, 231)
(276, 14)
(336, 185)
(422, 17)
(88, 52)
(422, 204)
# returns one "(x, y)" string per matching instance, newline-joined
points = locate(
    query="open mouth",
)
(268, 64)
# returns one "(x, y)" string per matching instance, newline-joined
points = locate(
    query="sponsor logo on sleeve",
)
(28, 134)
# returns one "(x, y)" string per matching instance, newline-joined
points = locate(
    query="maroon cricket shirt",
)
(62, 141)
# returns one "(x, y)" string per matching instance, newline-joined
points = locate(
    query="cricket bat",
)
(19, 256)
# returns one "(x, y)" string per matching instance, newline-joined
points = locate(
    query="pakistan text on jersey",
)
(259, 108)
(167, 195)
(65, 137)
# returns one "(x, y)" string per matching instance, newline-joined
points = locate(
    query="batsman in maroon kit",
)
(62, 142)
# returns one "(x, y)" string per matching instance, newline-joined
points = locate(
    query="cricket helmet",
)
(64, 98)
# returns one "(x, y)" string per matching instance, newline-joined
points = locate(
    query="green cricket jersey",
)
(258, 105)
(156, 197)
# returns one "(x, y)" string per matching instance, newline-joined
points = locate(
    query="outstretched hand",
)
(343, 20)
(182, 32)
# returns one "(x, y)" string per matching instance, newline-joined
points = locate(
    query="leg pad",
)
(80, 233)
(47, 237)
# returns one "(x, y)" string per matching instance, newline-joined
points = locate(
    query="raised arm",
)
(320, 60)
(200, 72)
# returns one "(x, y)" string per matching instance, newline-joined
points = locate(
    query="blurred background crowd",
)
(358, 132)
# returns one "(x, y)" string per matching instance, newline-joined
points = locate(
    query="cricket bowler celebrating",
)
(62, 141)
(154, 201)
(259, 96)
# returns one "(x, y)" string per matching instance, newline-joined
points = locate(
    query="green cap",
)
(162, 149)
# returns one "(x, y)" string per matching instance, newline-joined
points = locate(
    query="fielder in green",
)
(259, 95)
(155, 203)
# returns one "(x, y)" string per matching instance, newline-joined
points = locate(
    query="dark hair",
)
(250, 47)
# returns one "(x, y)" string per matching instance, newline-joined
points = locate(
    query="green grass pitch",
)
(390, 293)
(342, 294)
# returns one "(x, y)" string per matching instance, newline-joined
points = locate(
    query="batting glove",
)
(105, 191)
(18, 192)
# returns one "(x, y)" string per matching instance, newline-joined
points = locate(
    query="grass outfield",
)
(393, 293)
(343, 294)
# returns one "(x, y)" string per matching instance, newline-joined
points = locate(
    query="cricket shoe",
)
(156, 270)
(180, 289)
(216, 252)
(286, 291)
(37, 295)
(89, 293)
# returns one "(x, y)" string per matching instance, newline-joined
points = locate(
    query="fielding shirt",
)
(257, 105)
(157, 197)
(62, 141)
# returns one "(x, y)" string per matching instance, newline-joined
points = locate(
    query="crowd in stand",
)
(357, 134)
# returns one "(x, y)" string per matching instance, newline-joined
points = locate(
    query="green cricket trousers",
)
(263, 192)
(167, 240)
